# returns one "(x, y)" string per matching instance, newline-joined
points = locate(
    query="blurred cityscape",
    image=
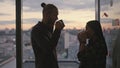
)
(67, 48)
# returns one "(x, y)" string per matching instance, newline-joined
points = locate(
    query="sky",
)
(74, 13)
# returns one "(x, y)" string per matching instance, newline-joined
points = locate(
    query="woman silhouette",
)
(93, 49)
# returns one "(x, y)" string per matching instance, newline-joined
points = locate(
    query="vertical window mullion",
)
(18, 35)
(97, 10)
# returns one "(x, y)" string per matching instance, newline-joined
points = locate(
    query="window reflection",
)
(110, 18)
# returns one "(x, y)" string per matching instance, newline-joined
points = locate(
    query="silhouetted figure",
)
(116, 52)
(45, 39)
(93, 50)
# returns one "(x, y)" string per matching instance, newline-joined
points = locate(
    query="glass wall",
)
(7, 34)
(110, 20)
(74, 13)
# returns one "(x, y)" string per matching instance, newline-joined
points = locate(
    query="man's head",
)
(50, 13)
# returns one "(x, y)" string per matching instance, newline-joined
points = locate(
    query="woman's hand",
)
(82, 36)
(82, 47)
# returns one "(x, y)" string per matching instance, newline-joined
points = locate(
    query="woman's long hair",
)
(96, 27)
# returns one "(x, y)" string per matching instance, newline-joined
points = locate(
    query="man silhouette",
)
(44, 38)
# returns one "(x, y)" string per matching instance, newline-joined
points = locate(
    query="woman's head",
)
(94, 28)
(50, 13)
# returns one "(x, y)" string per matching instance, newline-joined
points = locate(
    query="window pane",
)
(110, 20)
(7, 34)
(74, 13)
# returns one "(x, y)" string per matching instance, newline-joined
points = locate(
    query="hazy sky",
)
(75, 13)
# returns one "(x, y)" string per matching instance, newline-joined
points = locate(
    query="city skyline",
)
(75, 13)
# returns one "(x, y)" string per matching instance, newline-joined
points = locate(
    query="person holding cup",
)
(44, 38)
(93, 49)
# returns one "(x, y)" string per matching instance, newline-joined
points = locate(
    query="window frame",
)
(19, 48)
(18, 35)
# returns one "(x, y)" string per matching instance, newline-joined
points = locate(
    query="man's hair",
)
(48, 8)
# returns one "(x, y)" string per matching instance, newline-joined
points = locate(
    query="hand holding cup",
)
(82, 36)
(59, 25)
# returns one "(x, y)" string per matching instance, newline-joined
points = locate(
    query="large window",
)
(74, 13)
(7, 34)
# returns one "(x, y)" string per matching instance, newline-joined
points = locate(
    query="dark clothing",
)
(44, 42)
(94, 56)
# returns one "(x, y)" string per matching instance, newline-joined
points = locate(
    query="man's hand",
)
(59, 25)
